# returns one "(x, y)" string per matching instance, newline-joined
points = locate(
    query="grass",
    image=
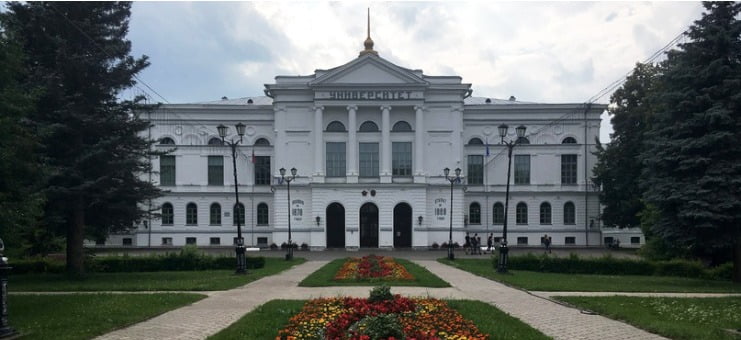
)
(676, 318)
(537, 281)
(148, 281)
(265, 321)
(84, 316)
(324, 277)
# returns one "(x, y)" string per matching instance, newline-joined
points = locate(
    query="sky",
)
(548, 52)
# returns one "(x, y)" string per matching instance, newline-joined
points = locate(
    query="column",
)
(419, 141)
(318, 141)
(352, 141)
(457, 120)
(385, 144)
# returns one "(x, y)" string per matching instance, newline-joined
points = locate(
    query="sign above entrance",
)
(369, 95)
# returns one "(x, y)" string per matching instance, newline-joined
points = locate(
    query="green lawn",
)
(149, 281)
(265, 321)
(83, 316)
(593, 283)
(324, 277)
(676, 318)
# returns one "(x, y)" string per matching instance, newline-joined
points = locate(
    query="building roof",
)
(258, 100)
(493, 101)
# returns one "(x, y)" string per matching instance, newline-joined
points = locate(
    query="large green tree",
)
(692, 160)
(618, 165)
(94, 150)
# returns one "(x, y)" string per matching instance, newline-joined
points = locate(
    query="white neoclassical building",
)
(370, 140)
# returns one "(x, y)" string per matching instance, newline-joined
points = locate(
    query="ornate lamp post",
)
(288, 180)
(451, 180)
(5, 330)
(503, 250)
(241, 261)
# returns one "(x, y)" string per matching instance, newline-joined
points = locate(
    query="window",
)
(569, 213)
(167, 214)
(215, 214)
(635, 240)
(262, 142)
(569, 140)
(545, 213)
(475, 141)
(570, 240)
(215, 141)
(262, 214)
(167, 170)
(167, 241)
(215, 170)
(190, 240)
(401, 126)
(238, 214)
(127, 241)
(368, 126)
(214, 241)
(235, 241)
(167, 141)
(523, 140)
(568, 169)
(262, 241)
(191, 214)
(336, 127)
(498, 213)
(474, 213)
(401, 158)
(262, 170)
(368, 159)
(100, 242)
(475, 169)
(336, 159)
(521, 213)
(522, 169)
(522, 240)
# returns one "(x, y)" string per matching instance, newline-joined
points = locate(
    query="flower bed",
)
(364, 319)
(373, 267)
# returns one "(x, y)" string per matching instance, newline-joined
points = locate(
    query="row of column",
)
(385, 140)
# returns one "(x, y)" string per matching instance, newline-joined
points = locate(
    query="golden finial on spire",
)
(368, 41)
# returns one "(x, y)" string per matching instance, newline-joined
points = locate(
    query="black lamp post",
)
(503, 250)
(241, 261)
(451, 180)
(5, 330)
(288, 180)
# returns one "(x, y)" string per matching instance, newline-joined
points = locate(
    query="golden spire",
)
(368, 41)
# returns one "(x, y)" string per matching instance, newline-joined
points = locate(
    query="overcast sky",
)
(550, 52)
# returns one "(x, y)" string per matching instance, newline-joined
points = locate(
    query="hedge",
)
(611, 266)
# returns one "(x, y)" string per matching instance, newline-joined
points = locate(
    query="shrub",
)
(456, 245)
(722, 272)
(380, 293)
(304, 246)
(435, 245)
(36, 265)
(382, 326)
(273, 246)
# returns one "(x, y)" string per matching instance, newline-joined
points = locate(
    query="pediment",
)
(368, 69)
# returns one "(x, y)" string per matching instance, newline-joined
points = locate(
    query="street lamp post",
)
(288, 180)
(503, 250)
(5, 330)
(451, 180)
(240, 250)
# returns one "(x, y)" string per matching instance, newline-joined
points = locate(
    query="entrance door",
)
(335, 226)
(369, 226)
(402, 226)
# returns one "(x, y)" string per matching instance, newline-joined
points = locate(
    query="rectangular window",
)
(190, 240)
(401, 158)
(336, 159)
(167, 170)
(214, 241)
(475, 169)
(522, 169)
(215, 170)
(635, 240)
(99, 242)
(608, 240)
(568, 169)
(522, 240)
(127, 241)
(262, 170)
(262, 241)
(570, 240)
(167, 241)
(368, 159)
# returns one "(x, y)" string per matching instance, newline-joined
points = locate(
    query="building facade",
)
(370, 140)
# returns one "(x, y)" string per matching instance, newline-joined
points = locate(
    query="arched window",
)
(545, 213)
(167, 214)
(474, 213)
(191, 214)
(336, 126)
(167, 141)
(523, 140)
(521, 213)
(569, 213)
(238, 214)
(262, 214)
(262, 142)
(475, 141)
(215, 141)
(368, 126)
(401, 126)
(215, 214)
(498, 213)
(569, 140)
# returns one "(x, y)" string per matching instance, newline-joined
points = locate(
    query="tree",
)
(618, 165)
(692, 161)
(79, 55)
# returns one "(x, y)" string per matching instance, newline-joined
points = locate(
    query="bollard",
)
(5, 330)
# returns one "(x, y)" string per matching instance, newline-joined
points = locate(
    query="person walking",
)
(478, 244)
(467, 245)
(547, 241)
(474, 244)
(489, 242)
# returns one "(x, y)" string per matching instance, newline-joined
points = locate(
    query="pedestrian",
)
(489, 242)
(473, 245)
(478, 244)
(467, 245)
(547, 242)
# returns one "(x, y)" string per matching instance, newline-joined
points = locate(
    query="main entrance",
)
(369, 226)
(335, 226)
(402, 226)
